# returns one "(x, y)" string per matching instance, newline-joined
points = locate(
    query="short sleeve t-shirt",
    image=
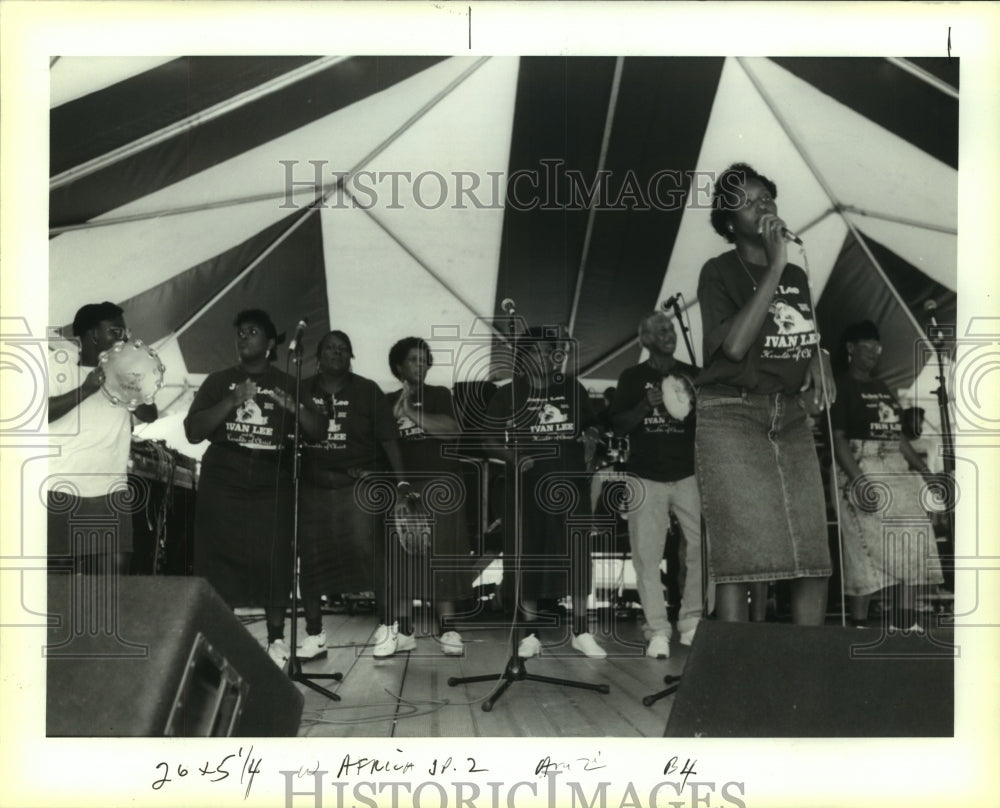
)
(788, 339)
(360, 419)
(661, 446)
(421, 451)
(259, 423)
(259, 426)
(866, 410)
(94, 438)
(557, 413)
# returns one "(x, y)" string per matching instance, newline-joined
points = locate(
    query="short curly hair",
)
(93, 314)
(727, 195)
(399, 352)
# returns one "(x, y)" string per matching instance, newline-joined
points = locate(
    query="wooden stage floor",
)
(407, 695)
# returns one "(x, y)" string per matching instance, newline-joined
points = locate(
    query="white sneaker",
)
(916, 628)
(529, 647)
(451, 644)
(687, 637)
(648, 633)
(659, 647)
(313, 646)
(587, 645)
(278, 651)
(406, 642)
(388, 641)
(385, 640)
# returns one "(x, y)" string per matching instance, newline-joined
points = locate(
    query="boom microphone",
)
(296, 342)
(930, 306)
(671, 301)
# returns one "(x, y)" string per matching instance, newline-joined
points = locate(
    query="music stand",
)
(514, 670)
(295, 672)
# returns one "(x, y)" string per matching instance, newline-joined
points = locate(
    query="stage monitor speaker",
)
(154, 656)
(777, 680)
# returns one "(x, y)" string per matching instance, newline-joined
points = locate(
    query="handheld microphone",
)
(788, 235)
(296, 342)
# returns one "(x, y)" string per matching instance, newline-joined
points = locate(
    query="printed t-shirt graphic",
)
(552, 417)
(256, 422)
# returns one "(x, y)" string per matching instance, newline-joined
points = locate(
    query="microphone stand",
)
(937, 340)
(936, 335)
(294, 663)
(514, 671)
(685, 331)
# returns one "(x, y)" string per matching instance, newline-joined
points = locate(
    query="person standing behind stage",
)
(759, 476)
(870, 448)
(243, 514)
(426, 421)
(95, 437)
(343, 548)
(549, 410)
(654, 407)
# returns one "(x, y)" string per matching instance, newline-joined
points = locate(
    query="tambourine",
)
(678, 396)
(133, 373)
(411, 525)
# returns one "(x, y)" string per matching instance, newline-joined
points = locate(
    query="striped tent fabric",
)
(389, 196)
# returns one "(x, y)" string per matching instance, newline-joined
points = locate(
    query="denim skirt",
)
(761, 489)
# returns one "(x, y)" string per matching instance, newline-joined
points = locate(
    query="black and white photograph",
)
(541, 412)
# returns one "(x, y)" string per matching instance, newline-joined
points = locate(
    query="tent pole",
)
(923, 75)
(242, 274)
(609, 119)
(887, 217)
(404, 127)
(158, 214)
(814, 169)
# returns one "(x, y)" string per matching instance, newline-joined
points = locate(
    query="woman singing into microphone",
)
(762, 494)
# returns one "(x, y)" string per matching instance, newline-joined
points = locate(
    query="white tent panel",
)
(932, 252)
(378, 294)
(464, 140)
(145, 252)
(742, 128)
(870, 168)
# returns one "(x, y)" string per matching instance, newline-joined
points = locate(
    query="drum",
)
(132, 372)
(678, 396)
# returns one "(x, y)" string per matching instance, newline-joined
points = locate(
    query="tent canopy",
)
(396, 196)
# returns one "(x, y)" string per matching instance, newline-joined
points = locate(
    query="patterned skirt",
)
(894, 542)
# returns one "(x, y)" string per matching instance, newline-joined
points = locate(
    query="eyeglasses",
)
(246, 333)
(119, 334)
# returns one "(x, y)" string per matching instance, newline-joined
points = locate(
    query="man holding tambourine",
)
(92, 398)
(654, 407)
